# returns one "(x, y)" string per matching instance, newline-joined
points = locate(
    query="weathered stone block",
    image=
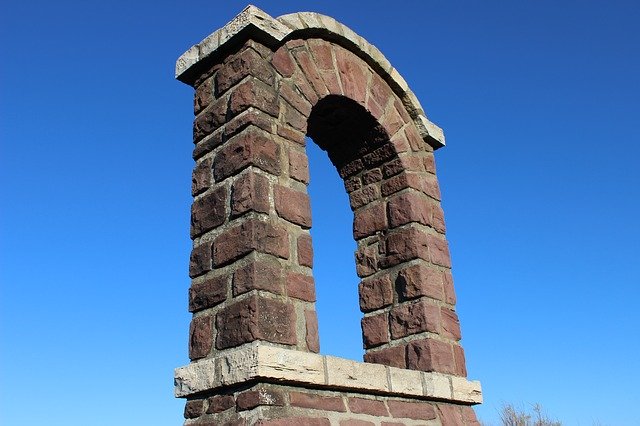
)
(259, 274)
(375, 330)
(208, 293)
(251, 147)
(412, 318)
(208, 211)
(431, 355)
(293, 206)
(200, 337)
(250, 193)
(375, 293)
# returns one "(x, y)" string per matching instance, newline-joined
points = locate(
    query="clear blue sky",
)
(540, 103)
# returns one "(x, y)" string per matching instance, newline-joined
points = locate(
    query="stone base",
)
(267, 385)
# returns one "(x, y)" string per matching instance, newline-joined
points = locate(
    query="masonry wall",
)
(252, 258)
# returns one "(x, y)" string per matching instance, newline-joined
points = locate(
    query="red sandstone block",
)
(260, 274)
(420, 280)
(375, 293)
(251, 116)
(353, 75)
(203, 96)
(400, 182)
(364, 196)
(404, 163)
(430, 186)
(283, 62)
(208, 293)
(256, 318)
(372, 407)
(461, 366)
(379, 155)
(250, 193)
(450, 414)
(392, 121)
(412, 318)
(298, 165)
(437, 220)
(372, 176)
(450, 324)
(413, 136)
(469, 416)
(393, 356)
(295, 421)
(302, 84)
(290, 93)
(403, 245)
(322, 52)
(238, 66)
(301, 286)
(293, 118)
(253, 234)
(369, 220)
(305, 250)
(352, 184)
(395, 424)
(210, 119)
(293, 205)
(438, 251)
(412, 410)
(308, 67)
(193, 408)
(208, 211)
(257, 397)
(355, 422)
(331, 79)
(430, 163)
(449, 293)
(380, 91)
(311, 327)
(409, 207)
(366, 260)
(200, 337)
(431, 355)
(317, 402)
(202, 176)
(220, 403)
(350, 168)
(200, 260)
(253, 93)
(252, 147)
(207, 144)
(375, 330)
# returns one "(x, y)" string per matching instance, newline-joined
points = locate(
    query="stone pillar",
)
(261, 85)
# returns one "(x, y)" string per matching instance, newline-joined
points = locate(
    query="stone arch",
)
(262, 85)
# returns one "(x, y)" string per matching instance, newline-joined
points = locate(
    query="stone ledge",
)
(258, 361)
(304, 24)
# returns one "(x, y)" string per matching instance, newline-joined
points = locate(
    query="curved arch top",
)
(252, 22)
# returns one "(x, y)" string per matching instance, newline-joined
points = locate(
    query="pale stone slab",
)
(405, 381)
(288, 365)
(237, 366)
(465, 390)
(195, 377)
(437, 385)
(344, 373)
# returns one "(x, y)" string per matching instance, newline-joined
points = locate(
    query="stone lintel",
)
(260, 362)
(252, 22)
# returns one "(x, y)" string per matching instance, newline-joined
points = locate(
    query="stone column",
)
(261, 85)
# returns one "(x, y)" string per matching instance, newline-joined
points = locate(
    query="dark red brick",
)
(283, 62)
(200, 260)
(257, 397)
(409, 207)
(369, 220)
(253, 234)
(200, 337)
(254, 93)
(293, 206)
(431, 355)
(461, 365)
(203, 96)
(252, 147)
(317, 402)
(298, 165)
(449, 293)
(210, 119)
(305, 250)
(301, 286)
(220, 403)
(308, 67)
(450, 324)
(259, 274)
(248, 62)
(393, 356)
(353, 74)
(311, 327)
(255, 318)
(202, 176)
(403, 245)
(412, 410)
(375, 330)
(371, 407)
(411, 318)
(209, 211)
(208, 293)
(193, 408)
(250, 193)
(364, 196)
(375, 293)
(366, 260)
(420, 280)
(438, 251)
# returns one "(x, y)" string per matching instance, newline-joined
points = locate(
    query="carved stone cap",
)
(255, 23)
(260, 362)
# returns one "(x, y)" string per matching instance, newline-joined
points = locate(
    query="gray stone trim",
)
(308, 23)
(258, 361)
